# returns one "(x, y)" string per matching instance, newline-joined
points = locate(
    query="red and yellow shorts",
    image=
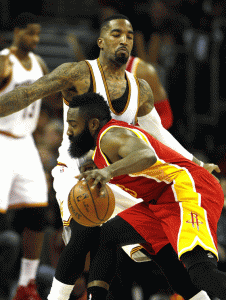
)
(184, 215)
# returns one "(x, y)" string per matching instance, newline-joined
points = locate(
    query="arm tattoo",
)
(21, 97)
(146, 98)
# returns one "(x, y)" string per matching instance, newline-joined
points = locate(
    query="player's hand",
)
(99, 177)
(86, 166)
(211, 168)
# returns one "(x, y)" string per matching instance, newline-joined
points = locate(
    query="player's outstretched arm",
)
(150, 121)
(19, 98)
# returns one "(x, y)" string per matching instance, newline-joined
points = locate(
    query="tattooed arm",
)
(62, 78)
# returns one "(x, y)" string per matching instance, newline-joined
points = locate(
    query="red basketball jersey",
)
(171, 169)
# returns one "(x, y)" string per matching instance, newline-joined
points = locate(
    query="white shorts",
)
(23, 181)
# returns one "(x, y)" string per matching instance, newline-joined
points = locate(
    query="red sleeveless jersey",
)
(163, 107)
(171, 169)
(132, 64)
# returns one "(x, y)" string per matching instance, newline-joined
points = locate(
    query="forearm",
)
(133, 163)
(16, 100)
(47, 85)
(152, 124)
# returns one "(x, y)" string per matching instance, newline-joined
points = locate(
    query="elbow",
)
(150, 159)
(154, 160)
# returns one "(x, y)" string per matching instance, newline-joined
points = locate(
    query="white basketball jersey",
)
(24, 122)
(129, 114)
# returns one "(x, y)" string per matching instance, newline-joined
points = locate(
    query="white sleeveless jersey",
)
(129, 114)
(24, 122)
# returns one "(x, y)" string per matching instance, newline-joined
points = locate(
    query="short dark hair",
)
(25, 18)
(92, 105)
(106, 21)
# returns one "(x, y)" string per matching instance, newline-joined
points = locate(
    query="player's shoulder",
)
(143, 84)
(75, 69)
(145, 68)
(71, 71)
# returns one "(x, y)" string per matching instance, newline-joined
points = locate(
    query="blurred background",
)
(184, 39)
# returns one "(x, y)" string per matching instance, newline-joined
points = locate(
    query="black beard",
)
(81, 144)
(121, 59)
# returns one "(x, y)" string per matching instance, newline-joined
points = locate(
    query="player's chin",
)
(32, 47)
(122, 58)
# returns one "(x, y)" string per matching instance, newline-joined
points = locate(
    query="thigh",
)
(119, 232)
(9, 158)
(123, 199)
(144, 222)
(190, 219)
(29, 187)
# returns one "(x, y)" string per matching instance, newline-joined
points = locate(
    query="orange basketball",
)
(86, 205)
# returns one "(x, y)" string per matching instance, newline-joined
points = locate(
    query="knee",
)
(10, 238)
(200, 274)
(200, 265)
(10, 249)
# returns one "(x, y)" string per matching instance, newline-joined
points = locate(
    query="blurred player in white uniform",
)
(22, 175)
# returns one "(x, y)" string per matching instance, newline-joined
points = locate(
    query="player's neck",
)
(112, 68)
(22, 54)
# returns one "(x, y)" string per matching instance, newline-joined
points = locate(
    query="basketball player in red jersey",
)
(182, 202)
(146, 71)
(130, 100)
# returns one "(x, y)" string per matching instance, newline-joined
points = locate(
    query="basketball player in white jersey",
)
(22, 176)
(106, 76)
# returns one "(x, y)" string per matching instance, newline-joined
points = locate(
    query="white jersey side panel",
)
(24, 122)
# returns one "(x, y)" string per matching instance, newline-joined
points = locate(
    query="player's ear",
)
(100, 42)
(94, 124)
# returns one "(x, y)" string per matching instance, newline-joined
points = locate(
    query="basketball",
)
(86, 205)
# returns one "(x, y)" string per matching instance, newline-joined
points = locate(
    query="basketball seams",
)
(81, 211)
(83, 197)
(94, 204)
(108, 203)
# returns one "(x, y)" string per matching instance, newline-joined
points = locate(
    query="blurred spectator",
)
(44, 119)
(48, 137)
(53, 135)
